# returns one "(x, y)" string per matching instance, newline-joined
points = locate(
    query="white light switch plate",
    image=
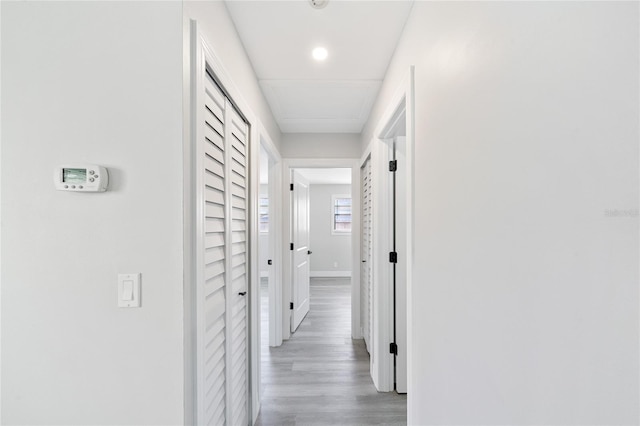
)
(129, 290)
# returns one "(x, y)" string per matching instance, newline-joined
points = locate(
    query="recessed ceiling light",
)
(320, 53)
(319, 4)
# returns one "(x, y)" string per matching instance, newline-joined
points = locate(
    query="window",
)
(263, 213)
(341, 220)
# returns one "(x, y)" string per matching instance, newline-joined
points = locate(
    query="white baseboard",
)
(329, 274)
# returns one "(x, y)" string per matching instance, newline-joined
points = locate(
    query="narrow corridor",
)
(321, 376)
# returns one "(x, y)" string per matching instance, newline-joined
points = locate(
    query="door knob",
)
(309, 252)
(269, 262)
(242, 293)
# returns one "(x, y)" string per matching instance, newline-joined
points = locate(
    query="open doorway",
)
(390, 158)
(289, 165)
(321, 372)
(321, 230)
(269, 247)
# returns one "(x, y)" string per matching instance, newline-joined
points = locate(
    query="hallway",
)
(321, 376)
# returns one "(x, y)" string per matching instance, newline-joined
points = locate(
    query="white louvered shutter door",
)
(364, 289)
(211, 287)
(366, 272)
(370, 254)
(237, 174)
(238, 278)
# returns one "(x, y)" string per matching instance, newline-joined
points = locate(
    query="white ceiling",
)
(333, 96)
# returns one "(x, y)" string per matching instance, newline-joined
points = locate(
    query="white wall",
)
(525, 278)
(93, 82)
(320, 145)
(328, 249)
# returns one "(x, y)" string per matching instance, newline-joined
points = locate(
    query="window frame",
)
(335, 197)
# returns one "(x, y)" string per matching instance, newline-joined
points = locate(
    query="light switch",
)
(129, 290)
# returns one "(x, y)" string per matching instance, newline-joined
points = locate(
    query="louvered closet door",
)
(366, 276)
(364, 289)
(211, 290)
(237, 159)
(221, 293)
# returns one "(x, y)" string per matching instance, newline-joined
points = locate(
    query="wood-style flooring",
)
(321, 376)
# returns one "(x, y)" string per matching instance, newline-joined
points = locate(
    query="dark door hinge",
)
(291, 187)
(393, 165)
(393, 257)
(290, 246)
(291, 305)
(393, 348)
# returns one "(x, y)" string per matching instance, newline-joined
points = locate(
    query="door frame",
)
(199, 50)
(275, 243)
(287, 261)
(380, 150)
(399, 233)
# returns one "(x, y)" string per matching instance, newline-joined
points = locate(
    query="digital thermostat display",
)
(74, 175)
(85, 178)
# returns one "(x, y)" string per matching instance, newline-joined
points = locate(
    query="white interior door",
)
(301, 251)
(401, 266)
(211, 289)
(366, 269)
(237, 135)
(221, 259)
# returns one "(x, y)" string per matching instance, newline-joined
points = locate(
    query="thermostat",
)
(81, 178)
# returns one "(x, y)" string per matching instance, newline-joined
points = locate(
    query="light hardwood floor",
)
(321, 376)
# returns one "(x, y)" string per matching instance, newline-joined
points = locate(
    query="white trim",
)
(382, 319)
(275, 240)
(410, 217)
(293, 163)
(1, 352)
(189, 224)
(198, 47)
(356, 329)
(382, 366)
(253, 314)
(330, 274)
(206, 60)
